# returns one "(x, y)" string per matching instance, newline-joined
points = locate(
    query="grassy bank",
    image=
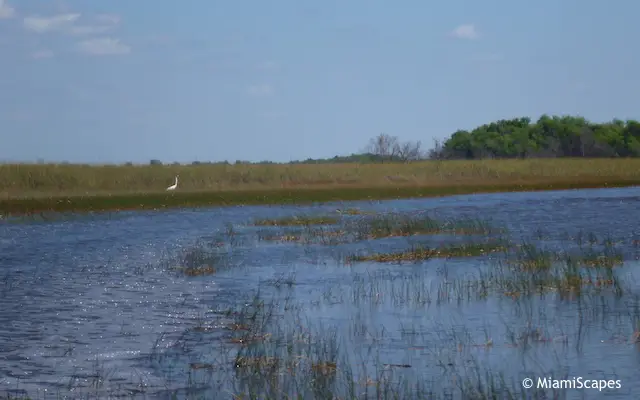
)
(39, 188)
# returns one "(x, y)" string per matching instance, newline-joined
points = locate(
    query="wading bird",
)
(174, 186)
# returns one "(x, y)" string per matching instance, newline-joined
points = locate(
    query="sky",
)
(208, 80)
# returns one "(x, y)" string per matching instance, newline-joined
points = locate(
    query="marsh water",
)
(95, 306)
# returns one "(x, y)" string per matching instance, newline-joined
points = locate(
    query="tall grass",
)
(32, 189)
(32, 180)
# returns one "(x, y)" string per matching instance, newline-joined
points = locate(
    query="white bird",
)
(174, 186)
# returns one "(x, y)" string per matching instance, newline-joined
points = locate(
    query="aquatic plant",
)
(297, 220)
(419, 252)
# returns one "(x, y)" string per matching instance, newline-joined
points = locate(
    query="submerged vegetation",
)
(363, 334)
(277, 353)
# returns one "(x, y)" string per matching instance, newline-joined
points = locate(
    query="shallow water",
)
(90, 309)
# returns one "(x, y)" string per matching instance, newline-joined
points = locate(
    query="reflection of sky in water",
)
(93, 293)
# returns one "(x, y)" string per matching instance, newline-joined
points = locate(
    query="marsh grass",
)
(515, 271)
(389, 225)
(209, 256)
(264, 347)
(300, 361)
(373, 227)
(534, 272)
(421, 253)
(297, 220)
(353, 211)
(27, 189)
(31, 180)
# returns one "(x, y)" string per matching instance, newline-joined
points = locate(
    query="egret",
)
(174, 186)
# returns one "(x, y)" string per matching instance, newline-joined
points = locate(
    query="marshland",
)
(34, 188)
(519, 154)
(455, 297)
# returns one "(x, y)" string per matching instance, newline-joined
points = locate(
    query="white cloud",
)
(260, 90)
(40, 54)
(68, 23)
(78, 25)
(6, 11)
(49, 24)
(466, 31)
(103, 47)
(104, 23)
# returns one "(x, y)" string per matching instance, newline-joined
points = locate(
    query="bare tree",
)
(384, 146)
(437, 152)
(409, 151)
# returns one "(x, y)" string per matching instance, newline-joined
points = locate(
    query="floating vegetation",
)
(297, 220)
(408, 225)
(279, 237)
(375, 330)
(376, 227)
(250, 339)
(531, 271)
(207, 257)
(419, 253)
(354, 211)
(198, 271)
(201, 366)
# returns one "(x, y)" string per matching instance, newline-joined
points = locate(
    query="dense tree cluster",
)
(556, 136)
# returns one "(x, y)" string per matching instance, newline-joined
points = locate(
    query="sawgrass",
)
(59, 187)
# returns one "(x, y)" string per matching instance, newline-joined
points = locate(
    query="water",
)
(90, 308)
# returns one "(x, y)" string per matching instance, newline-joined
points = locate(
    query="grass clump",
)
(367, 228)
(297, 220)
(353, 211)
(299, 360)
(407, 225)
(420, 253)
(532, 271)
(208, 257)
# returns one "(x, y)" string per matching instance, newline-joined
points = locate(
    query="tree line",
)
(549, 136)
(557, 136)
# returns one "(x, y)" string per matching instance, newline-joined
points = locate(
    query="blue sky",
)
(122, 80)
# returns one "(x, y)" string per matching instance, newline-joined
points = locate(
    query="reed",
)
(26, 188)
(34, 180)
(367, 226)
